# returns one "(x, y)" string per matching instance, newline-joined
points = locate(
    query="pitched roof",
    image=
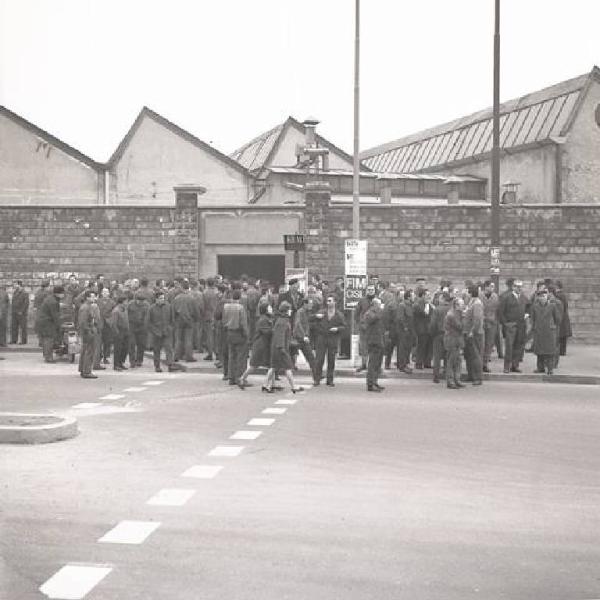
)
(535, 118)
(186, 135)
(258, 152)
(48, 137)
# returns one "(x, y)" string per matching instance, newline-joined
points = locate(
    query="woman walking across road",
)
(260, 354)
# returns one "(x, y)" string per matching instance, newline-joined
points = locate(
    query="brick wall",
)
(453, 241)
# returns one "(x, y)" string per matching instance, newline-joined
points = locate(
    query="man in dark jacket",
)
(374, 338)
(436, 329)
(186, 316)
(511, 315)
(119, 323)
(359, 312)
(405, 330)
(235, 328)
(48, 322)
(4, 312)
(160, 323)
(88, 329)
(330, 323)
(211, 299)
(20, 308)
(422, 317)
(138, 334)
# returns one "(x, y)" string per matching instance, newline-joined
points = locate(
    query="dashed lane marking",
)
(245, 435)
(203, 471)
(87, 405)
(274, 411)
(226, 451)
(130, 532)
(73, 582)
(171, 497)
(112, 397)
(260, 422)
(284, 401)
(154, 382)
(134, 389)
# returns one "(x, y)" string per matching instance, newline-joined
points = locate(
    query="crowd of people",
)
(245, 325)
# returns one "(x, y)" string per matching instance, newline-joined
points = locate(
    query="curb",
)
(22, 428)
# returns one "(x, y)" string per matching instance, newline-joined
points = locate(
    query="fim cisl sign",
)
(355, 272)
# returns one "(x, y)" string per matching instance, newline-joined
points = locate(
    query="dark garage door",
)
(269, 267)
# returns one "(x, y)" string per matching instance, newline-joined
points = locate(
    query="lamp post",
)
(495, 221)
(356, 164)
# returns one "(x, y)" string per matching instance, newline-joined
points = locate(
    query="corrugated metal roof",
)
(533, 118)
(254, 154)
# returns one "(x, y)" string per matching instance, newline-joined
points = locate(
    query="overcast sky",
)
(227, 70)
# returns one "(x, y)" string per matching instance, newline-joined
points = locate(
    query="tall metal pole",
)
(495, 224)
(356, 173)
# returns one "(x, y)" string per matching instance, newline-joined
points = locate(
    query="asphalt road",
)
(419, 492)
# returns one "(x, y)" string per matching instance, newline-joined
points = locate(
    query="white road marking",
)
(112, 397)
(130, 532)
(274, 411)
(260, 422)
(245, 435)
(226, 451)
(171, 497)
(154, 382)
(202, 471)
(87, 405)
(73, 582)
(283, 401)
(134, 389)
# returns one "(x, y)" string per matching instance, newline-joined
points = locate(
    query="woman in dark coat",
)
(281, 359)
(566, 330)
(260, 353)
(545, 322)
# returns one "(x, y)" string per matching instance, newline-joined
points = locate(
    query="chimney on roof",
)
(311, 155)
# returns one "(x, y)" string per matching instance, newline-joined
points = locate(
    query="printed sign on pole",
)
(355, 272)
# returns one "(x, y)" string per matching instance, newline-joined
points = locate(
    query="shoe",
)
(361, 368)
(132, 366)
(118, 368)
(516, 370)
(241, 385)
(451, 386)
(99, 368)
(380, 388)
(539, 371)
(478, 382)
(407, 370)
(277, 388)
(173, 369)
(208, 357)
(232, 382)
(158, 370)
(550, 372)
(123, 367)
(267, 390)
(331, 384)
(50, 361)
(373, 389)
(506, 371)
(218, 365)
(459, 385)
(298, 389)
(89, 376)
(486, 370)
(139, 364)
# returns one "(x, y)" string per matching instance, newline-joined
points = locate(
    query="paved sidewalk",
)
(581, 365)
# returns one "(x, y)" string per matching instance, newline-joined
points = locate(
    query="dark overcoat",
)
(48, 317)
(544, 322)
(260, 355)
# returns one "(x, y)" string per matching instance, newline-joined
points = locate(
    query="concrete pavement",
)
(418, 492)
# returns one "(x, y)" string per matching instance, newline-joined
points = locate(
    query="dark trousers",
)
(18, 323)
(391, 343)
(473, 349)
(236, 351)
(323, 348)
(405, 343)
(120, 350)
(209, 336)
(562, 348)
(158, 343)
(490, 331)
(106, 341)
(97, 348)
(3, 324)
(137, 345)
(439, 355)
(374, 365)
(47, 347)
(184, 335)
(424, 349)
(513, 344)
(86, 358)
(309, 355)
(453, 363)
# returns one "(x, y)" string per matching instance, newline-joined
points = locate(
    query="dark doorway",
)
(267, 267)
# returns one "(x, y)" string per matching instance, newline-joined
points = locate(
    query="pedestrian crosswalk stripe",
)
(202, 471)
(73, 582)
(171, 497)
(134, 389)
(260, 422)
(130, 532)
(112, 397)
(245, 435)
(87, 405)
(154, 382)
(284, 401)
(226, 451)
(274, 411)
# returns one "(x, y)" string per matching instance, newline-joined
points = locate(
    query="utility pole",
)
(495, 222)
(356, 172)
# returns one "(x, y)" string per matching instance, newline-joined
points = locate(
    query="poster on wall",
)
(355, 272)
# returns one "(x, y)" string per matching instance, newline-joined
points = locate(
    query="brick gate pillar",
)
(317, 224)
(186, 225)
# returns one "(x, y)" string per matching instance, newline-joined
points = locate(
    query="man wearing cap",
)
(48, 322)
